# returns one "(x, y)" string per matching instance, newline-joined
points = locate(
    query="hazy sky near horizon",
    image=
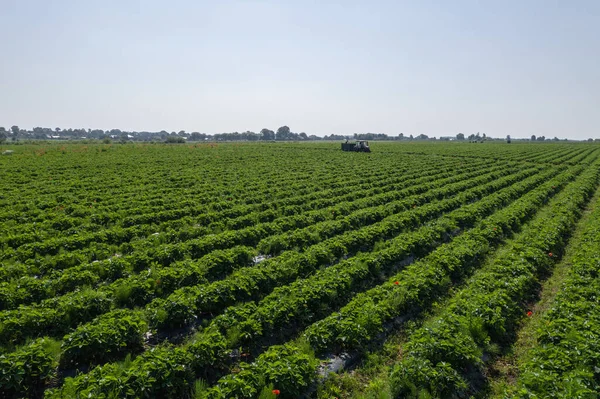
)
(434, 67)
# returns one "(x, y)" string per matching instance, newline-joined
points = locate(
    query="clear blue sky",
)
(435, 67)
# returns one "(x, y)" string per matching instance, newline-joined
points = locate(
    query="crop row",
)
(38, 266)
(351, 272)
(106, 344)
(217, 340)
(346, 225)
(235, 218)
(289, 308)
(56, 316)
(50, 312)
(564, 361)
(67, 211)
(412, 289)
(204, 214)
(252, 283)
(444, 357)
(25, 290)
(64, 180)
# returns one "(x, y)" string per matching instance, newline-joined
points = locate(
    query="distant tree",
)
(249, 136)
(57, 130)
(97, 134)
(411, 137)
(266, 134)
(303, 136)
(195, 136)
(3, 135)
(555, 139)
(422, 137)
(590, 140)
(401, 136)
(175, 139)
(15, 132)
(541, 138)
(460, 136)
(533, 137)
(484, 136)
(181, 133)
(508, 138)
(283, 133)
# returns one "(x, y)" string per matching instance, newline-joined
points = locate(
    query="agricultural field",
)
(296, 270)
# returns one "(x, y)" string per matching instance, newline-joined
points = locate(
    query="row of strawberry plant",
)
(353, 270)
(414, 287)
(215, 339)
(25, 372)
(142, 281)
(291, 307)
(252, 283)
(57, 316)
(26, 289)
(91, 184)
(253, 235)
(203, 215)
(576, 158)
(560, 155)
(564, 361)
(193, 204)
(30, 251)
(446, 357)
(400, 201)
(125, 205)
(409, 291)
(51, 313)
(37, 266)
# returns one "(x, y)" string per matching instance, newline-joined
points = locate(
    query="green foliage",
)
(229, 251)
(564, 362)
(440, 357)
(26, 371)
(107, 338)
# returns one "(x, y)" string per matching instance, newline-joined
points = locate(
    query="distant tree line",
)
(282, 134)
(43, 133)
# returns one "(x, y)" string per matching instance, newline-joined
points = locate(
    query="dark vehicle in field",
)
(357, 146)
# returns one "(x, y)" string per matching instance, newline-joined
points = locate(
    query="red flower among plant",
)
(550, 254)
(529, 313)
(276, 391)
(396, 282)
